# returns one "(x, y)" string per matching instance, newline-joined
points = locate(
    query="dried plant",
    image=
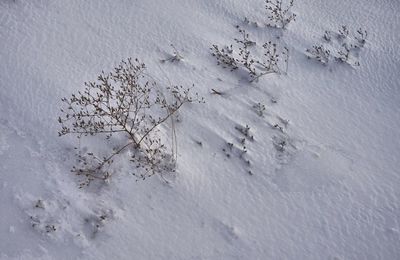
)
(279, 14)
(238, 149)
(343, 55)
(343, 48)
(127, 103)
(225, 57)
(327, 36)
(245, 130)
(242, 57)
(343, 32)
(259, 109)
(361, 37)
(320, 53)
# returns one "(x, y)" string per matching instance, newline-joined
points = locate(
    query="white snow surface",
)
(332, 194)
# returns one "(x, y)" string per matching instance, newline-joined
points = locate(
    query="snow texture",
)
(324, 158)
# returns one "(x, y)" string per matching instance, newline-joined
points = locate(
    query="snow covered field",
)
(332, 193)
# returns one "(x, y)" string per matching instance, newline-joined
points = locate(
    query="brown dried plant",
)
(274, 59)
(124, 102)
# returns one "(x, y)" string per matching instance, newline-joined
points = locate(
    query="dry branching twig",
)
(122, 102)
(279, 15)
(273, 60)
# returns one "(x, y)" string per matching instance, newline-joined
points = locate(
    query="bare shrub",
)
(127, 103)
(344, 48)
(259, 109)
(279, 15)
(320, 53)
(361, 37)
(343, 32)
(273, 60)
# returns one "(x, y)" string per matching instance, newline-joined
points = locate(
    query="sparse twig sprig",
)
(122, 102)
(245, 130)
(244, 53)
(344, 55)
(239, 147)
(279, 15)
(224, 57)
(342, 48)
(327, 36)
(259, 109)
(245, 41)
(320, 53)
(272, 61)
(343, 32)
(361, 37)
